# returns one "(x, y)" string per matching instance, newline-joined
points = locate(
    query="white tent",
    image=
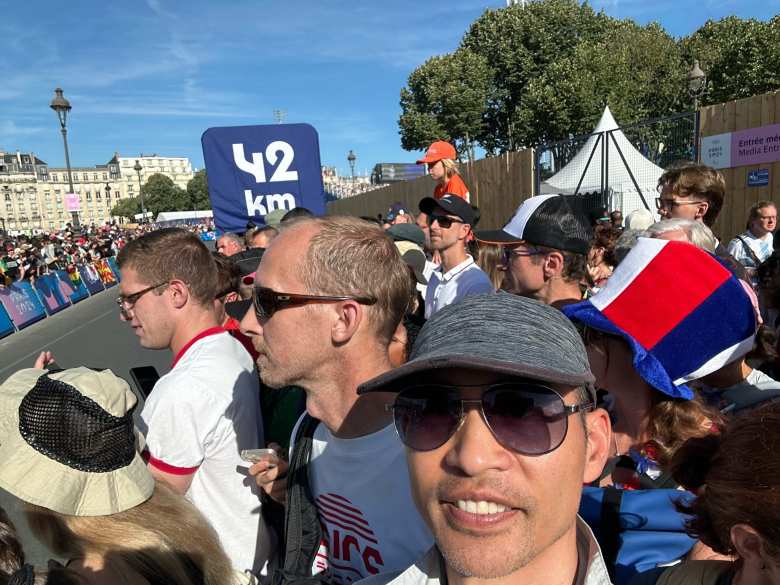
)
(180, 217)
(606, 161)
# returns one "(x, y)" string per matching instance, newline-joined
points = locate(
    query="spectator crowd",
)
(576, 398)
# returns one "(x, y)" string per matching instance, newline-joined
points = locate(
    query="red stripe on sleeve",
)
(167, 468)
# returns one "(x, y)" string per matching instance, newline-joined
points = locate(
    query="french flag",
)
(682, 312)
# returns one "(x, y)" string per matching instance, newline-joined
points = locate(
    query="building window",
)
(7, 196)
(9, 207)
(105, 176)
(54, 177)
(85, 176)
(98, 195)
(89, 196)
(94, 176)
(56, 191)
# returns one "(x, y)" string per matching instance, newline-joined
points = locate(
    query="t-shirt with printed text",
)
(369, 522)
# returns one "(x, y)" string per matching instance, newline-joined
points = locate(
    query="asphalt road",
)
(90, 334)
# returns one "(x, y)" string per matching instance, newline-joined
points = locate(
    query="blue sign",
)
(6, 326)
(759, 178)
(73, 285)
(91, 278)
(253, 170)
(22, 304)
(114, 268)
(50, 291)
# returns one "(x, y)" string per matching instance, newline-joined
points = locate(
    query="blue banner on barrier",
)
(72, 285)
(6, 325)
(114, 268)
(23, 305)
(91, 278)
(52, 296)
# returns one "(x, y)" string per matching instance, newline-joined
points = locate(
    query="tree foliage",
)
(522, 76)
(127, 208)
(445, 100)
(198, 191)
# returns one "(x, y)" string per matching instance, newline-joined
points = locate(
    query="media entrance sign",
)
(254, 170)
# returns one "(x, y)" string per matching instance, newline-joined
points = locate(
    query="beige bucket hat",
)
(68, 443)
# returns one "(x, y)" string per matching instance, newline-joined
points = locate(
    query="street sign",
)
(72, 202)
(759, 178)
(253, 170)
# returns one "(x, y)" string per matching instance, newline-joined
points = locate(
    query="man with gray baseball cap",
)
(496, 410)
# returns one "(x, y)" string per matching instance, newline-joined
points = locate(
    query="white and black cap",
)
(554, 221)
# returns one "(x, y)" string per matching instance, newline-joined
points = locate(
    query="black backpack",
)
(302, 530)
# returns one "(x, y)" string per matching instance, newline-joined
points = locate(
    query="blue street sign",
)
(759, 178)
(253, 170)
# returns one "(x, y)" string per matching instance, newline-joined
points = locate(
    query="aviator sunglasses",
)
(527, 417)
(267, 301)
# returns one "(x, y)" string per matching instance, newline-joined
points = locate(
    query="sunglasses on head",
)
(443, 221)
(267, 301)
(527, 417)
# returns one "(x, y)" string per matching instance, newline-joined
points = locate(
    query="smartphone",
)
(145, 377)
(256, 455)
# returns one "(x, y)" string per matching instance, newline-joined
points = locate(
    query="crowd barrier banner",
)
(104, 271)
(48, 288)
(72, 285)
(22, 304)
(91, 278)
(6, 325)
(114, 268)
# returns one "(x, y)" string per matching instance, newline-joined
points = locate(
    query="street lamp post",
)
(697, 84)
(61, 106)
(351, 158)
(138, 168)
(108, 202)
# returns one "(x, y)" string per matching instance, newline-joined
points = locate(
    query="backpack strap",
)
(609, 528)
(750, 251)
(303, 533)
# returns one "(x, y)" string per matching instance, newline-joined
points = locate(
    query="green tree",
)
(520, 44)
(161, 194)
(741, 57)
(638, 71)
(127, 208)
(445, 99)
(198, 191)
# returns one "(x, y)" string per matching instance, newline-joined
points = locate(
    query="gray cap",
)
(500, 333)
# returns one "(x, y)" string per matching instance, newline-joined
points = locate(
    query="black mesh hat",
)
(68, 442)
(554, 221)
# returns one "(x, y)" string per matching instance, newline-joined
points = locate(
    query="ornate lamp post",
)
(61, 107)
(138, 168)
(697, 83)
(351, 158)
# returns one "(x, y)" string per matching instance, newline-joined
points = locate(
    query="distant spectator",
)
(598, 217)
(639, 219)
(262, 236)
(601, 257)
(442, 168)
(616, 217)
(684, 230)
(691, 191)
(450, 219)
(229, 244)
(756, 244)
(546, 245)
(398, 213)
(490, 258)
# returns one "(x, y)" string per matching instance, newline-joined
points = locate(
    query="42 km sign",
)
(253, 170)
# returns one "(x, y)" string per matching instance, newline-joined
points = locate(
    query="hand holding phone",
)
(257, 455)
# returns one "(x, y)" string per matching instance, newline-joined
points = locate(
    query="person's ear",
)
(599, 439)
(701, 209)
(179, 293)
(349, 315)
(553, 264)
(749, 545)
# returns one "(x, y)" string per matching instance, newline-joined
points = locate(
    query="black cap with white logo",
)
(546, 220)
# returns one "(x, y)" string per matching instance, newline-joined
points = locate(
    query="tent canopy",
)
(589, 175)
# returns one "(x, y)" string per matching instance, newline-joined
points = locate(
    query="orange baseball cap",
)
(437, 151)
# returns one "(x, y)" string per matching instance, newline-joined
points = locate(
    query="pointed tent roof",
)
(645, 172)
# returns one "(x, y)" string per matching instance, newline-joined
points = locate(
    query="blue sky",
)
(151, 76)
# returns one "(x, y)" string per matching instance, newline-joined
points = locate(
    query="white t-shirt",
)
(361, 488)
(761, 247)
(197, 419)
(449, 287)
